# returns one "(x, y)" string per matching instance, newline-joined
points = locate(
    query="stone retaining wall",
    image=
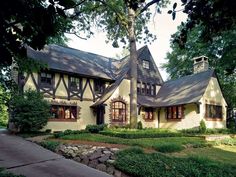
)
(101, 158)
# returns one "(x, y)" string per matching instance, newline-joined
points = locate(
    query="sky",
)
(161, 25)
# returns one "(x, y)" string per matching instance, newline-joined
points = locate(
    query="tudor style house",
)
(84, 88)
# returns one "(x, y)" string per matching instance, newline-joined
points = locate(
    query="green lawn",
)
(222, 153)
(142, 142)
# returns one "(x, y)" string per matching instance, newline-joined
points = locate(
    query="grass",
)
(156, 143)
(136, 163)
(222, 153)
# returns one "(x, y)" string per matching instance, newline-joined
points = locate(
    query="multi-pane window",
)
(148, 113)
(63, 112)
(175, 112)
(99, 86)
(153, 90)
(118, 111)
(146, 64)
(143, 88)
(138, 87)
(46, 78)
(214, 111)
(148, 89)
(75, 83)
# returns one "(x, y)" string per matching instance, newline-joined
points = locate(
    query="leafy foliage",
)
(95, 128)
(29, 112)
(202, 127)
(155, 165)
(4, 98)
(168, 147)
(140, 125)
(50, 145)
(213, 16)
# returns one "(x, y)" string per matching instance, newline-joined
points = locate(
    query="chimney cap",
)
(200, 57)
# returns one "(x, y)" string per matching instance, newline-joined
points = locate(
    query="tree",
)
(214, 17)
(220, 53)
(125, 21)
(4, 97)
(29, 111)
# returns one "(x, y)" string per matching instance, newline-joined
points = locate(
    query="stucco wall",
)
(213, 95)
(85, 114)
(191, 119)
(148, 123)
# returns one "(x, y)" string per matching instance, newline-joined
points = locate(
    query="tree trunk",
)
(133, 69)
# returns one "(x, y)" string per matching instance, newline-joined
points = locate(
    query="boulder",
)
(101, 167)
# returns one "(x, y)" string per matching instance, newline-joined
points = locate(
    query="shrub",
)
(227, 141)
(202, 127)
(69, 132)
(50, 145)
(29, 112)
(95, 128)
(139, 125)
(168, 147)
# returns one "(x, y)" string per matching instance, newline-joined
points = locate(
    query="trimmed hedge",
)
(69, 132)
(136, 163)
(144, 133)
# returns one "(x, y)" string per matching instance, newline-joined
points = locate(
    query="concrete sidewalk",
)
(23, 157)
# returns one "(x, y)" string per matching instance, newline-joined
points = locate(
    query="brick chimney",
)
(200, 64)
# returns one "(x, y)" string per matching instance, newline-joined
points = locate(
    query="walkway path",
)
(23, 157)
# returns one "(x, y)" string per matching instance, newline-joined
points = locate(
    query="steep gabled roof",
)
(188, 89)
(151, 75)
(75, 61)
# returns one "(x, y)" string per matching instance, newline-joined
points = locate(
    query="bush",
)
(69, 132)
(168, 147)
(140, 125)
(29, 112)
(202, 127)
(95, 128)
(227, 141)
(50, 145)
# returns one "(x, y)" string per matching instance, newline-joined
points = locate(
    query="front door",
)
(100, 114)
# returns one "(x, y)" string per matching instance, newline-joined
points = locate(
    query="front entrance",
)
(100, 114)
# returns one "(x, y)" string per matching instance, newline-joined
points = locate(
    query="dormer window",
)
(146, 64)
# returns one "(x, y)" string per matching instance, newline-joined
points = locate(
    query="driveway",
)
(23, 157)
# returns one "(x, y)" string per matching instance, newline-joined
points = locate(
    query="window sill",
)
(214, 119)
(174, 120)
(62, 120)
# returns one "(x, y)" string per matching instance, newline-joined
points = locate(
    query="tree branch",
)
(76, 35)
(148, 5)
